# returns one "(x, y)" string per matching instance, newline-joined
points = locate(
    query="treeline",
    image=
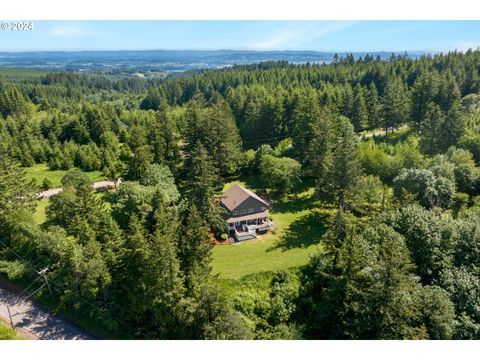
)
(268, 102)
(370, 92)
(399, 258)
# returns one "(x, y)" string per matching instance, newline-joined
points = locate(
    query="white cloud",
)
(68, 31)
(461, 46)
(299, 33)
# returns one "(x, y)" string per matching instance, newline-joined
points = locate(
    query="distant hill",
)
(161, 60)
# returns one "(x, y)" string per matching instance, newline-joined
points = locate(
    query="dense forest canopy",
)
(400, 257)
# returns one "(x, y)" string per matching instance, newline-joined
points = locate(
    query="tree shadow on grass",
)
(303, 232)
(251, 181)
(293, 204)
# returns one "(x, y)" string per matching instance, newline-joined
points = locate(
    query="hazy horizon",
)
(319, 36)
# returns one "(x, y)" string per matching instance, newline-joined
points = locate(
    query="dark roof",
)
(236, 195)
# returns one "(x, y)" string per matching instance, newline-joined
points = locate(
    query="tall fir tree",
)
(202, 183)
(194, 248)
(359, 113)
(374, 107)
(393, 303)
(306, 112)
(396, 104)
(425, 90)
(344, 172)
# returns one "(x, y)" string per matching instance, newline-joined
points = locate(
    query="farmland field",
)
(19, 73)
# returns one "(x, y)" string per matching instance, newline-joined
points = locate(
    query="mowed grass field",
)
(39, 215)
(299, 227)
(41, 171)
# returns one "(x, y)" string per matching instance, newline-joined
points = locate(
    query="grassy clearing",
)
(39, 215)
(296, 236)
(38, 172)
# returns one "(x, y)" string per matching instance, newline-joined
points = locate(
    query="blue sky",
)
(240, 35)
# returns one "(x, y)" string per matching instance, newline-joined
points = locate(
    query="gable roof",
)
(236, 195)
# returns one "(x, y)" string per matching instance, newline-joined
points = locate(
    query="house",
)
(247, 214)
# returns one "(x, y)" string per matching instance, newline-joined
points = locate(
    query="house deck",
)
(250, 231)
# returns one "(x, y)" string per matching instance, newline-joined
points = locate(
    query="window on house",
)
(235, 212)
(251, 210)
(243, 212)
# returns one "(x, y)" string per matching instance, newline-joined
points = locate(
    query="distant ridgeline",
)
(164, 60)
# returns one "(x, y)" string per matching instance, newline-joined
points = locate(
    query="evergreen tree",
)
(347, 107)
(425, 90)
(332, 293)
(439, 130)
(344, 172)
(393, 303)
(431, 127)
(359, 114)
(16, 195)
(201, 185)
(165, 280)
(396, 105)
(317, 156)
(306, 112)
(215, 128)
(77, 209)
(374, 107)
(449, 93)
(194, 248)
(164, 140)
(453, 127)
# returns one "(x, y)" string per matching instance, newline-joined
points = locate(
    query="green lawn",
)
(39, 215)
(41, 171)
(296, 236)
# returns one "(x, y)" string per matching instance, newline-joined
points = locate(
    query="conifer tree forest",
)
(390, 150)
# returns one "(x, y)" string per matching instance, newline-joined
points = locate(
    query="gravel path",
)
(98, 185)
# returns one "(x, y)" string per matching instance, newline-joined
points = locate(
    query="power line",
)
(40, 288)
(28, 287)
(42, 273)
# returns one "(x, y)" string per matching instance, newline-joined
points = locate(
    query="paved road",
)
(38, 321)
(99, 185)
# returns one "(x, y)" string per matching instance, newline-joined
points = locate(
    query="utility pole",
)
(43, 274)
(10, 316)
